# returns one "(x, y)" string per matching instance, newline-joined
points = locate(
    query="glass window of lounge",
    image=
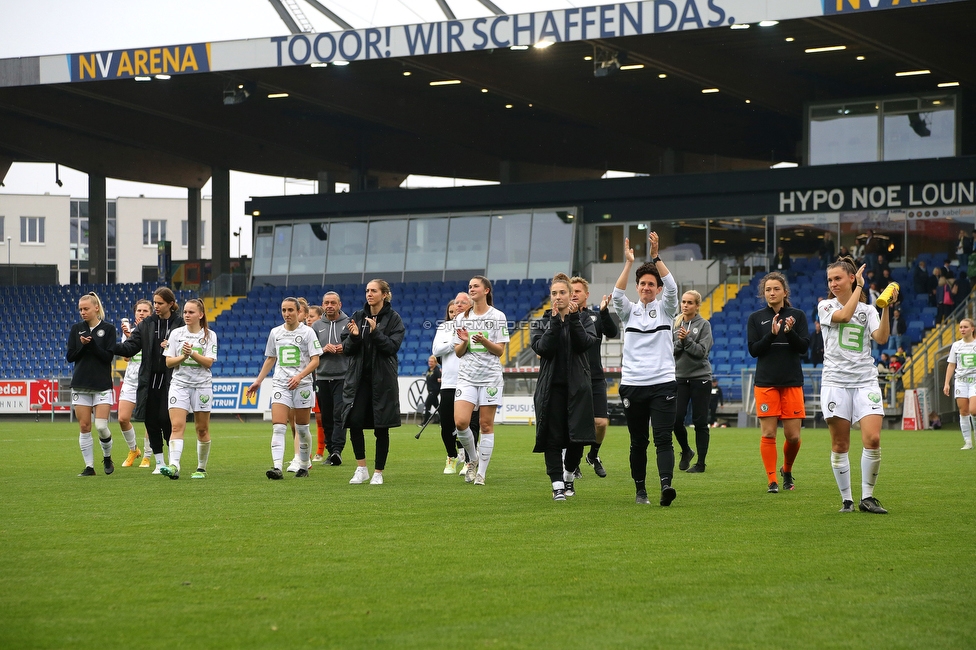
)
(468, 245)
(551, 250)
(919, 128)
(263, 247)
(386, 245)
(309, 248)
(843, 133)
(611, 238)
(426, 244)
(347, 250)
(281, 256)
(508, 252)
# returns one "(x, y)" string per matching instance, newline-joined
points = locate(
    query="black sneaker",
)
(275, 474)
(848, 506)
(335, 459)
(597, 466)
(697, 468)
(88, 471)
(558, 495)
(109, 465)
(577, 473)
(642, 498)
(787, 479)
(301, 473)
(872, 505)
(773, 488)
(685, 461)
(667, 495)
(569, 490)
(327, 460)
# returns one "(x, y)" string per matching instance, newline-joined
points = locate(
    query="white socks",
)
(485, 449)
(175, 452)
(870, 462)
(304, 444)
(558, 485)
(278, 444)
(203, 454)
(130, 438)
(842, 474)
(104, 436)
(146, 447)
(965, 423)
(467, 441)
(86, 444)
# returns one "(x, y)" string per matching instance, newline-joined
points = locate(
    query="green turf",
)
(133, 560)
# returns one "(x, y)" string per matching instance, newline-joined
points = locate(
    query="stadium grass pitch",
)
(236, 560)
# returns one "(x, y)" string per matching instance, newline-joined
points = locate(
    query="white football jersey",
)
(293, 351)
(191, 374)
(131, 377)
(847, 346)
(964, 356)
(478, 366)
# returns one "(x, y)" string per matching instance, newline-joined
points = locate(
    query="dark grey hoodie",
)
(331, 366)
(691, 354)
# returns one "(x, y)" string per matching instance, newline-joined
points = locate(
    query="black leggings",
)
(450, 441)
(557, 435)
(358, 439)
(650, 404)
(698, 392)
(158, 426)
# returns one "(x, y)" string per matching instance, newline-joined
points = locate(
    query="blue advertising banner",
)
(146, 62)
(831, 7)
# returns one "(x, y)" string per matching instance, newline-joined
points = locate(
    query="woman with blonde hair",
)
(89, 347)
(962, 367)
(693, 373)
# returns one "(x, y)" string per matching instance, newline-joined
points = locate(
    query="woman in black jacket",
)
(90, 349)
(371, 393)
(564, 392)
(151, 337)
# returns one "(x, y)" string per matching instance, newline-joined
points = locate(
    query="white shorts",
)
(191, 400)
(128, 393)
(92, 398)
(479, 395)
(302, 397)
(965, 387)
(851, 404)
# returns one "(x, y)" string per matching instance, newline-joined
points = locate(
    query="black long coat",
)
(143, 338)
(546, 342)
(382, 346)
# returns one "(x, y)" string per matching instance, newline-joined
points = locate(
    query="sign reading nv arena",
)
(905, 195)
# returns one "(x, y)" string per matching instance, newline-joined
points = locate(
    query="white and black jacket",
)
(648, 357)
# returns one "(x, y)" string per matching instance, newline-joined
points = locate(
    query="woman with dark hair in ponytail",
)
(191, 352)
(778, 339)
(90, 349)
(564, 392)
(151, 337)
(371, 391)
(850, 392)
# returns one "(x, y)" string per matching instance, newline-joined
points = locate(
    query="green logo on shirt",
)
(850, 337)
(289, 356)
(190, 361)
(967, 360)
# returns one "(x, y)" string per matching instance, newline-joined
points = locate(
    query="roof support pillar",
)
(220, 216)
(97, 230)
(194, 208)
(327, 182)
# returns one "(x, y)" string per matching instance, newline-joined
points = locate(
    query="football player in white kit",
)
(480, 338)
(127, 395)
(849, 391)
(191, 352)
(962, 365)
(293, 350)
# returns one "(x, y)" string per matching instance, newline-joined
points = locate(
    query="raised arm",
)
(628, 264)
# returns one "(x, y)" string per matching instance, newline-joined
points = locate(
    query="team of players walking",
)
(665, 366)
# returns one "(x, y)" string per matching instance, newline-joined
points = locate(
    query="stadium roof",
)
(517, 115)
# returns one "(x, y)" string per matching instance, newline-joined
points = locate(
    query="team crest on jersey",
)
(832, 406)
(172, 400)
(277, 395)
(74, 396)
(694, 331)
(593, 317)
(492, 391)
(652, 313)
(457, 393)
(626, 403)
(305, 394)
(204, 399)
(298, 339)
(99, 333)
(861, 318)
(874, 397)
(764, 408)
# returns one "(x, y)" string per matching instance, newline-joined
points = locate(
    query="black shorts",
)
(600, 399)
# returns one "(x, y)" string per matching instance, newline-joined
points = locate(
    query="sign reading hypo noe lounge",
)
(903, 196)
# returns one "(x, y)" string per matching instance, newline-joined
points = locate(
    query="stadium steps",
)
(521, 339)
(715, 301)
(216, 306)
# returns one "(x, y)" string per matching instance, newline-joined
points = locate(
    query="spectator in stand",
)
(782, 261)
(932, 285)
(872, 246)
(714, 401)
(961, 288)
(816, 352)
(944, 299)
(898, 328)
(920, 278)
(885, 279)
(826, 250)
(843, 251)
(873, 292)
(947, 271)
(877, 265)
(964, 247)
